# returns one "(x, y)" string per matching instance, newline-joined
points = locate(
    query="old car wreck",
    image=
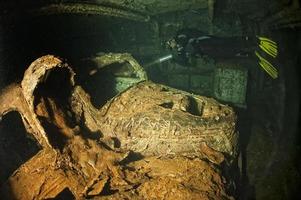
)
(148, 142)
(104, 99)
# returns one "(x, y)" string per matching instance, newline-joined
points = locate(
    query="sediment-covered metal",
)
(138, 10)
(110, 58)
(88, 9)
(153, 119)
(148, 142)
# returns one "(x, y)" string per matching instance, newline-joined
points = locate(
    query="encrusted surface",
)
(149, 142)
(110, 58)
(153, 119)
(131, 9)
(88, 8)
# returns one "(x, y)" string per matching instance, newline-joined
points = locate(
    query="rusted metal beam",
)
(88, 9)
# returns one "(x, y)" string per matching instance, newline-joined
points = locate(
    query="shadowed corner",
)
(16, 147)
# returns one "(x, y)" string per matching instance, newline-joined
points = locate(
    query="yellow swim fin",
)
(267, 66)
(268, 46)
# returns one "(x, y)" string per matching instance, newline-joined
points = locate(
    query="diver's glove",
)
(269, 47)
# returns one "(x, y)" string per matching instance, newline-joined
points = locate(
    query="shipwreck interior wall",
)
(268, 162)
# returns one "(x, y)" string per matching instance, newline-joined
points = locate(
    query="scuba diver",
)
(190, 43)
(193, 43)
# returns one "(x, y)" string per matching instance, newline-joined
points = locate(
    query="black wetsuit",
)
(192, 42)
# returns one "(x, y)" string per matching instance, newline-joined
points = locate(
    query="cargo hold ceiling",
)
(139, 10)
